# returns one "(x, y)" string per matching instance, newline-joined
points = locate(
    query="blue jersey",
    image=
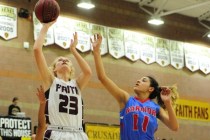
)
(138, 120)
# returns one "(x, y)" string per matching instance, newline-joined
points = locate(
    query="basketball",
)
(47, 10)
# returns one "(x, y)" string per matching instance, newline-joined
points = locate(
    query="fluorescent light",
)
(86, 5)
(208, 35)
(156, 21)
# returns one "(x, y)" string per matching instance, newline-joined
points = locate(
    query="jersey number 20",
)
(68, 104)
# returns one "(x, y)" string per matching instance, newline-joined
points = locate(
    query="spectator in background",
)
(14, 108)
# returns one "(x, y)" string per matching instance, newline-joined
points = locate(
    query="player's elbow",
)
(89, 73)
(175, 128)
(101, 78)
(36, 50)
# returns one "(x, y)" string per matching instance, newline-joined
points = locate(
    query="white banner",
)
(63, 32)
(162, 52)
(116, 43)
(102, 30)
(191, 56)
(8, 22)
(83, 31)
(204, 60)
(148, 49)
(132, 45)
(49, 39)
(177, 54)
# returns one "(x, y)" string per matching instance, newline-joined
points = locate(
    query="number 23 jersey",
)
(64, 104)
(138, 120)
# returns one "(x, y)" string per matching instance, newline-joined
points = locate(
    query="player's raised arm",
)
(86, 72)
(169, 117)
(39, 56)
(120, 95)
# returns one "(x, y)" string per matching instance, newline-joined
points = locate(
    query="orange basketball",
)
(47, 10)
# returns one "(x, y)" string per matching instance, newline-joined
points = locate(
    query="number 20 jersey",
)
(138, 120)
(64, 104)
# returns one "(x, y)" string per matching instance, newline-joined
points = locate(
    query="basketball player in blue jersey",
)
(138, 115)
(64, 106)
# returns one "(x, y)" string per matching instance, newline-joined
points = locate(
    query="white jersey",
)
(64, 105)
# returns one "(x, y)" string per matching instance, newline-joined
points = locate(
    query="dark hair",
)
(14, 99)
(156, 92)
(155, 85)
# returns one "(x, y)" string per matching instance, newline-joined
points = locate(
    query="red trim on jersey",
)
(142, 101)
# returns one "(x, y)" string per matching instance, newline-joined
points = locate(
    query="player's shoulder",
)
(153, 102)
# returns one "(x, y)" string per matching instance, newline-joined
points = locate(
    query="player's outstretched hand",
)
(96, 42)
(47, 25)
(74, 41)
(41, 95)
(165, 94)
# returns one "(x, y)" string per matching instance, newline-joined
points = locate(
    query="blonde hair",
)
(174, 97)
(174, 94)
(53, 65)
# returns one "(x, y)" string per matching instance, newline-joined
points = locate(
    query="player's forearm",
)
(99, 66)
(40, 40)
(41, 115)
(84, 66)
(173, 122)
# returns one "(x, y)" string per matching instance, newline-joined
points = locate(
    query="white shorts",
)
(64, 134)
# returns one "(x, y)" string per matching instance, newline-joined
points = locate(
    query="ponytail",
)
(157, 91)
(174, 97)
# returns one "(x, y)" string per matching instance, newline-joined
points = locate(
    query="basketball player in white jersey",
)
(63, 109)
